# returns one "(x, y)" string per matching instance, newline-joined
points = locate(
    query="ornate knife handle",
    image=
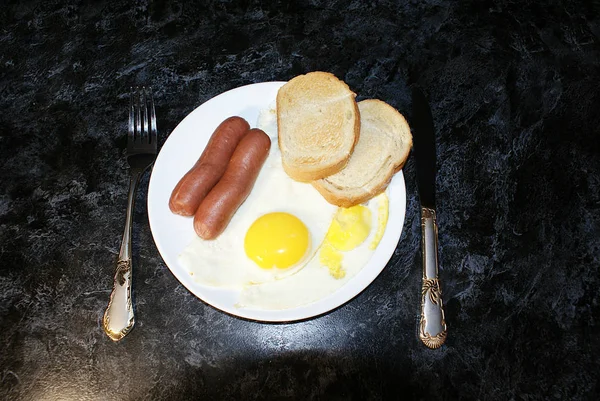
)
(119, 318)
(432, 329)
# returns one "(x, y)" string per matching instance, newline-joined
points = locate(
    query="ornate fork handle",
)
(432, 329)
(119, 318)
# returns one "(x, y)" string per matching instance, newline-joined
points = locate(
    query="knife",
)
(432, 327)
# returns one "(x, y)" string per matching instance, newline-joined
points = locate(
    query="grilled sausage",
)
(210, 167)
(219, 206)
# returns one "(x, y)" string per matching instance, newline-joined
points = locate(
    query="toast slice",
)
(318, 125)
(383, 147)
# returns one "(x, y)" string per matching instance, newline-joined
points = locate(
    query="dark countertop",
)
(515, 96)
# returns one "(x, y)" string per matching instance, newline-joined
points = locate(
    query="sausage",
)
(219, 206)
(210, 167)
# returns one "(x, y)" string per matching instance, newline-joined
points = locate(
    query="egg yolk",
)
(349, 228)
(277, 240)
(382, 218)
(332, 259)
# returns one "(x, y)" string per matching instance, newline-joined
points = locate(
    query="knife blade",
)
(432, 326)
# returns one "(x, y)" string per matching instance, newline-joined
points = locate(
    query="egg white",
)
(222, 262)
(313, 282)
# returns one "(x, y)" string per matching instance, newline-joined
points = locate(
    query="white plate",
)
(172, 233)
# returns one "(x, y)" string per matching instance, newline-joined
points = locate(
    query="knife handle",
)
(432, 329)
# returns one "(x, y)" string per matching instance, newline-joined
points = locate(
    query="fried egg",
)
(274, 234)
(350, 242)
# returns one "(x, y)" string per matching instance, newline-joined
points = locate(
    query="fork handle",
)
(119, 318)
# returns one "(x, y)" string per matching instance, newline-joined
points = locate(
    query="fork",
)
(141, 152)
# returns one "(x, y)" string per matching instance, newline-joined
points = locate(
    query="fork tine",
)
(130, 136)
(153, 128)
(138, 116)
(146, 135)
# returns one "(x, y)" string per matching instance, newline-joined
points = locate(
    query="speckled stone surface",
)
(516, 100)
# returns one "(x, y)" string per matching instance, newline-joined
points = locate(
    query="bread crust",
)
(339, 197)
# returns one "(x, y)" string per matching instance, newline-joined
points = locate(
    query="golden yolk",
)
(332, 258)
(349, 228)
(276, 240)
(382, 218)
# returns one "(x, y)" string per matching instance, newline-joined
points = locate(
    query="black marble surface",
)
(514, 88)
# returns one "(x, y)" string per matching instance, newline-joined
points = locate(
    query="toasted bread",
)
(318, 125)
(383, 147)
